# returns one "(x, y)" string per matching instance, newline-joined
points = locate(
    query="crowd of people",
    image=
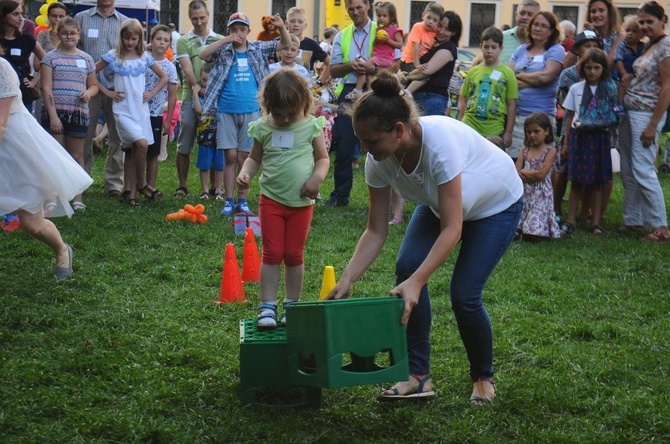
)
(543, 106)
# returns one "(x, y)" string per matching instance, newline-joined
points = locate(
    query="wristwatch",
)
(319, 82)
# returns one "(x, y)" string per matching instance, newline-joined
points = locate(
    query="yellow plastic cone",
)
(328, 282)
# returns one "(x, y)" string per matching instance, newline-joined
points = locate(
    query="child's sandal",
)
(597, 230)
(567, 229)
(267, 316)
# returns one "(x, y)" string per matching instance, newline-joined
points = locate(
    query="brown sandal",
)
(656, 236)
(480, 395)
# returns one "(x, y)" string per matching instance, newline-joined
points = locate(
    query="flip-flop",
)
(61, 273)
(418, 394)
(483, 400)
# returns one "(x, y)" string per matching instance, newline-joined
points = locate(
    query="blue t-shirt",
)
(537, 98)
(239, 93)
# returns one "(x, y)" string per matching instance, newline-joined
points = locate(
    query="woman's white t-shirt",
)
(489, 178)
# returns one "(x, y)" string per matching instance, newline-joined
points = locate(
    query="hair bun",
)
(386, 85)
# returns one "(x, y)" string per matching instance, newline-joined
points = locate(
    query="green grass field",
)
(134, 349)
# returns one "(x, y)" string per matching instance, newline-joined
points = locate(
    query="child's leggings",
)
(285, 231)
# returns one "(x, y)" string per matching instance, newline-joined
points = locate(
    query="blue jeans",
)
(483, 242)
(344, 143)
(431, 104)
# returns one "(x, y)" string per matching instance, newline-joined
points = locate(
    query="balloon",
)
(43, 9)
(48, 2)
(192, 213)
(40, 29)
(41, 20)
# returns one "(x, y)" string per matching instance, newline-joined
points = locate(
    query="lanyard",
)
(360, 47)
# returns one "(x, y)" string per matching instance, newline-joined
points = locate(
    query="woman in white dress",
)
(35, 169)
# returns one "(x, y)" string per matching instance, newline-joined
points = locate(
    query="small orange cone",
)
(328, 282)
(251, 263)
(231, 284)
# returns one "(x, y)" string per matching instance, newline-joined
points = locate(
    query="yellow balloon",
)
(43, 9)
(41, 20)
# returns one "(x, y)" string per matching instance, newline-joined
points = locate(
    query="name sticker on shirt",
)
(15, 52)
(81, 63)
(93, 33)
(242, 63)
(538, 58)
(495, 75)
(282, 139)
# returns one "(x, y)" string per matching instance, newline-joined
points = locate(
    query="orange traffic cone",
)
(251, 263)
(231, 284)
(328, 282)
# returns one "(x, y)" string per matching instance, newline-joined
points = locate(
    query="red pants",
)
(285, 231)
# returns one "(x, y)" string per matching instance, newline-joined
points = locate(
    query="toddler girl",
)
(589, 114)
(387, 40)
(289, 143)
(129, 62)
(534, 164)
(68, 83)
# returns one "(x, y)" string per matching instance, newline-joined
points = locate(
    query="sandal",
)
(396, 221)
(656, 236)
(480, 395)
(181, 191)
(126, 199)
(150, 195)
(204, 195)
(267, 316)
(420, 393)
(597, 230)
(567, 229)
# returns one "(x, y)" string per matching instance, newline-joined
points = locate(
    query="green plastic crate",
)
(347, 342)
(264, 363)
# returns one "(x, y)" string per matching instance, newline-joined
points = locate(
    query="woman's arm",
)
(370, 243)
(450, 201)
(5, 104)
(436, 62)
(552, 69)
(648, 137)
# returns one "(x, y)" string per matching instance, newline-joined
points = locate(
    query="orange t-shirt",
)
(419, 34)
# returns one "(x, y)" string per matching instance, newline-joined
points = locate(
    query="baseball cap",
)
(585, 36)
(239, 17)
(153, 22)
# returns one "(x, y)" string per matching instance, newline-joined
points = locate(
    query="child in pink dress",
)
(387, 40)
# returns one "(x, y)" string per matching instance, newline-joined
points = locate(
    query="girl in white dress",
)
(35, 168)
(129, 62)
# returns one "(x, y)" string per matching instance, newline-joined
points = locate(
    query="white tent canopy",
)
(130, 4)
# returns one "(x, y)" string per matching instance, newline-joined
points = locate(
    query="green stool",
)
(336, 343)
(264, 363)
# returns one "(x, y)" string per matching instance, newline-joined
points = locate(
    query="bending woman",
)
(466, 190)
